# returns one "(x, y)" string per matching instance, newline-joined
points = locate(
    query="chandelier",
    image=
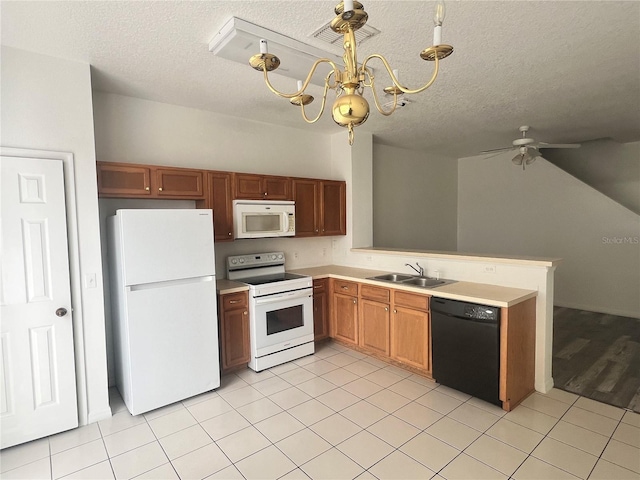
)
(350, 108)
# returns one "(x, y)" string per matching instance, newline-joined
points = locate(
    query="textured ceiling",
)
(571, 70)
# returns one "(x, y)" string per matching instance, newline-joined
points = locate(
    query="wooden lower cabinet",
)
(344, 311)
(410, 337)
(374, 326)
(234, 330)
(517, 352)
(320, 309)
(374, 318)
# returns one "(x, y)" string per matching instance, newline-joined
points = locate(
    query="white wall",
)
(610, 167)
(415, 202)
(544, 211)
(47, 105)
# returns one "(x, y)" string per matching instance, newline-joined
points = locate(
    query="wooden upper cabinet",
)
(182, 183)
(321, 207)
(306, 194)
(333, 208)
(123, 180)
(262, 187)
(218, 198)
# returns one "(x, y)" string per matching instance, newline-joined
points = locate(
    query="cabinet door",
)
(249, 186)
(179, 183)
(277, 188)
(118, 180)
(320, 320)
(345, 318)
(374, 326)
(410, 337)
(234, 330)
(333, 208)
(306, 194)
(220, 201)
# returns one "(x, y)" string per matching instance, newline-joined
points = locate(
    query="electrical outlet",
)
(489, 269)
(334, 244)
(296, 255)
(369, 258)
(324, 252)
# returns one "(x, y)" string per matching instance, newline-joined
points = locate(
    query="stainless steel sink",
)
(424, 282)
(413, 280)
(393, 277)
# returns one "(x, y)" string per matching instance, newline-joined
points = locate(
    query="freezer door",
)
(173, 343)
(159, 245)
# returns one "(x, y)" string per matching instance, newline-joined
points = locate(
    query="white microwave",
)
(264, 218)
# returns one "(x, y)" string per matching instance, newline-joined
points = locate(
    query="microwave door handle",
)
(286, 222)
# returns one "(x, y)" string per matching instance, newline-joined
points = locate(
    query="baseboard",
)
(96, 416)
(598, 309)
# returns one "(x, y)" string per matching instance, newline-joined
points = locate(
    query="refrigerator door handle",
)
(170, 283)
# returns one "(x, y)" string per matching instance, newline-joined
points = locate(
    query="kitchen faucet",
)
(419, 270)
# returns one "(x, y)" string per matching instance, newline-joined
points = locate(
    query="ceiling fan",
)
(528, 149)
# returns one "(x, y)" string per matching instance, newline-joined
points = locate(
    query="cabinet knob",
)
(395, 311)
(265, 194)
(159, 189)
(344, 287)
(229, 233)
(316, 230)
(146, 188)
(355, 301)
(234, 301)
(245, 313)
(386, 309)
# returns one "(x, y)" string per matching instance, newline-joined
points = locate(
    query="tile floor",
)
(340, 415)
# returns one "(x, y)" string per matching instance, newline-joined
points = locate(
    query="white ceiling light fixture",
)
(350, 108)
(238, 39)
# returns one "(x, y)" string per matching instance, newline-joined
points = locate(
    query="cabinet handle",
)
(265, 194)
(386, 309)
(159, 189)
(146, 188)
(229, 233)
(234, 301)
(355, 301)
(316, 230)
(344, 287)
(245, 313)
(317, 286)
(395, 311)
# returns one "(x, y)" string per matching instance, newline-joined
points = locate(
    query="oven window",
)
(262, 223)
(284, 319)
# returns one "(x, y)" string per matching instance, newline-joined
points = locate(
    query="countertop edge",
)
(519, 295)
(224, 286)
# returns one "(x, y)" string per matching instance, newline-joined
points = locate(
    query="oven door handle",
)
(283, 296)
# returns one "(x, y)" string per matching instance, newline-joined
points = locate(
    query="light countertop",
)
(224, 286)
(493, 295)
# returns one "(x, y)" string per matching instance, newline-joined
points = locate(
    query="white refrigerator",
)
(163, 297)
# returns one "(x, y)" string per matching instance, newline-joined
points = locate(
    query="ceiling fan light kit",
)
(350, 108)
(528, 148)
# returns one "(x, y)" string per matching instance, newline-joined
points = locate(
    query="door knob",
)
(61, 312)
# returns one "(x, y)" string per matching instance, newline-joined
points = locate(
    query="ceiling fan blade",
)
(557, 145)
(503, 149)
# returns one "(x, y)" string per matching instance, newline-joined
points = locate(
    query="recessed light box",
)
(238, 40)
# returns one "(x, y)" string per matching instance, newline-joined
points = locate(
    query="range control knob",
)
(234, 261)
(242, 260)
(273, 257)
(280, 256)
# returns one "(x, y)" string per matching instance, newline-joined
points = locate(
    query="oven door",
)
(282, 320)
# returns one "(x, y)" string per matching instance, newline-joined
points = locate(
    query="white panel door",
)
(37, 372)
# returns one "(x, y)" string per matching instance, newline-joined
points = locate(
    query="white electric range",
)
(280, 308)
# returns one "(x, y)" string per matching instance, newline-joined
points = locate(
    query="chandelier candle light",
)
(350, 108)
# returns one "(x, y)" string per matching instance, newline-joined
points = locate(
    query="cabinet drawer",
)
(411, 300)
(344, 287)
(320, 286)
(378, 294)
(231, 301)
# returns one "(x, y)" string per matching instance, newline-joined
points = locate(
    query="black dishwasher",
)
(465, 341)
